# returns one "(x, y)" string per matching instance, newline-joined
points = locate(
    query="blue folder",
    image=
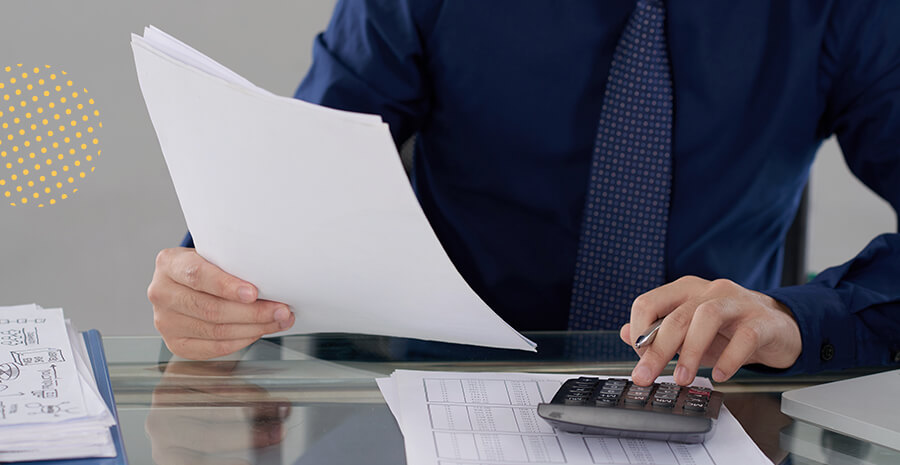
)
(101, 374)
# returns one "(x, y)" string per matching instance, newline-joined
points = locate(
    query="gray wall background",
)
(94, 254)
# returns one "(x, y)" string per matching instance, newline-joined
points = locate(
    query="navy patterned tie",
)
(621, 250)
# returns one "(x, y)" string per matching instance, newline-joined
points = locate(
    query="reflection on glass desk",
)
(313, 399)
(809, 444)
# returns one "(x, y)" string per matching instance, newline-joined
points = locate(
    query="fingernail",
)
(718, 375)
(641, 374)
(679, 374)
(282, 314)
(245, 293)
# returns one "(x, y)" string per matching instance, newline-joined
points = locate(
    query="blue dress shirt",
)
(505, 96)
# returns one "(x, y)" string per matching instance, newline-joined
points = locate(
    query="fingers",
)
(707, 320)
(715, 323)
(653, 305)
(203, 312)
(213, 309)
(182, 326)
(186, 267)
(664, 347)
(745, 342)
(625, 333)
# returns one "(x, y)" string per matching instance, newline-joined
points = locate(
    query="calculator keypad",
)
(617, 391)
(618, 407)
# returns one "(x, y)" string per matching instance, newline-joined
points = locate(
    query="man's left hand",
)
(711, 323)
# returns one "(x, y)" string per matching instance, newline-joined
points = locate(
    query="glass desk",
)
(313, 399)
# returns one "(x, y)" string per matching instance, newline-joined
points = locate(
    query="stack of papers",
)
(308, 203)
(453, 418)
(50, 407)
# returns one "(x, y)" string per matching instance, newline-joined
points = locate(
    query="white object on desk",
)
(865, 408)
(50, 406)
(308, 203)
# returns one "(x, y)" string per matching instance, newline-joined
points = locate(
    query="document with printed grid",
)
(454, 418)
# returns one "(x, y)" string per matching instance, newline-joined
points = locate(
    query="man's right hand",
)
(203, 312)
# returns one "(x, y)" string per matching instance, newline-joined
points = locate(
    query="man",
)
(709, 116)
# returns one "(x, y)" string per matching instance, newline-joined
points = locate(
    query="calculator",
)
(618, 407)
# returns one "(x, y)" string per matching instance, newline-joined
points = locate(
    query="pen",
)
(647, 337)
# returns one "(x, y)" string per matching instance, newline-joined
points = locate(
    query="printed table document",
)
(308, 203)
(450, 418)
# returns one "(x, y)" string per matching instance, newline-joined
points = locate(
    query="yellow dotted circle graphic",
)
(48, 135)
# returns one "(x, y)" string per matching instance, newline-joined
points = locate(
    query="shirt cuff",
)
(827, 329)
(188, 240)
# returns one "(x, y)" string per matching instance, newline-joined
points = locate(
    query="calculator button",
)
(695, 406)
(662, 402)
(606, 400)
(632, 400)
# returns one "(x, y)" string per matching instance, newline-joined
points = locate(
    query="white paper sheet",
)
(309, 204)
(451, 418)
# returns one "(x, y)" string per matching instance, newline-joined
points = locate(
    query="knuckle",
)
(187, 301)
(642, 303)
(686, 279)
(678, 319)
(653, 355)
(708, 311)
(163, 257)
(690, 356)
(191, 274)
(750, 334)
(154, 293)
(208, 309)
(200, 330)
(263, 314)
(220, 331)
(722, 285)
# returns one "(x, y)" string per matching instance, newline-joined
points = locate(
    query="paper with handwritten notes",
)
(50, 406)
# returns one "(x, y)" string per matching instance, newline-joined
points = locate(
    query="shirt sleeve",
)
(372, 59)
(849, 315)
